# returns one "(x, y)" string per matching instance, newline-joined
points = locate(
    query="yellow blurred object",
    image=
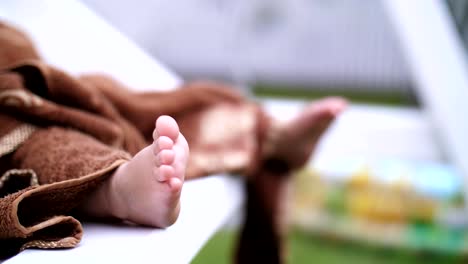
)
(361, 178)
(364, 197)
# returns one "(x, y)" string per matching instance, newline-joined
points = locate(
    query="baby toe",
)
(167, 126)
(175, 184)
(162, 143)
(165, 157)
(163, 173)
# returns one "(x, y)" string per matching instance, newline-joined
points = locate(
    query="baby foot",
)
(295, 141)
(146, 190)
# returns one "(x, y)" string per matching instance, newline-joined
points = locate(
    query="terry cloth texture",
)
(62, 135)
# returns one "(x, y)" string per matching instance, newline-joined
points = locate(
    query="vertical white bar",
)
(439, 70)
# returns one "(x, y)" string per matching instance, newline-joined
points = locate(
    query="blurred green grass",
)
(390, 98)
(307, 248)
